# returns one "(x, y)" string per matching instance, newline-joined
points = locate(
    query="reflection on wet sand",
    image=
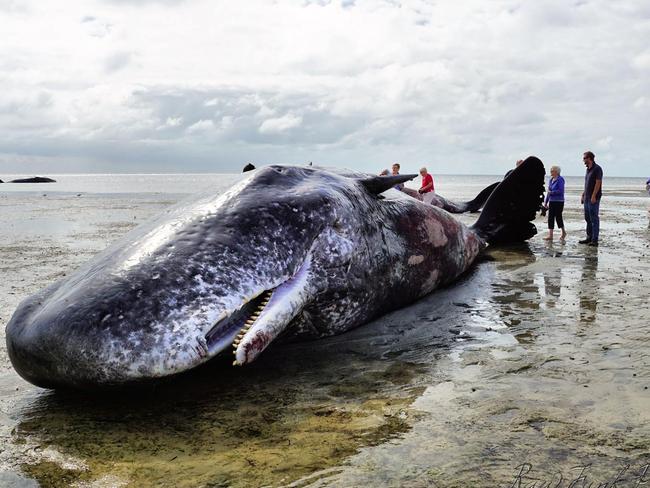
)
(546, 401)
(553, 281)
(516, 291)
(588, 287)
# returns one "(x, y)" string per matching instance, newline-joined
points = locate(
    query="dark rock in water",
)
(34, 179)
(248, 167)
(1, 181)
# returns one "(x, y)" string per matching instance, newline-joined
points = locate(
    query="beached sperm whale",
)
(286, 252)
(456, 207)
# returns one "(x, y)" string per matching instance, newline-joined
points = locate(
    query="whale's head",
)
(222, 273)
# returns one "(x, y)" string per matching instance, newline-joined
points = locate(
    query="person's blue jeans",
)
(592, 218)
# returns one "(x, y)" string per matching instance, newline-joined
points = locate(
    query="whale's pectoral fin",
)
(379, 184)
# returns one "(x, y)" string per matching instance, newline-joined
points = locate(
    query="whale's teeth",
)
(235, 363)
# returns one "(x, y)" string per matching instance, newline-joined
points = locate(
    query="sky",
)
(462, 87)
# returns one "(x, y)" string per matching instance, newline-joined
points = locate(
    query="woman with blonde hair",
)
(555, 203)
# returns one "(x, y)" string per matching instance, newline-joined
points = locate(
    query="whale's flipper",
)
(478, 202)
(508, 213)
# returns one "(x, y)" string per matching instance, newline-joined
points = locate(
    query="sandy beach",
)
(533, 368)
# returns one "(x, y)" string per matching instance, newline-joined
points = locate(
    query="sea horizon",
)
(29, 175)
(460, 186)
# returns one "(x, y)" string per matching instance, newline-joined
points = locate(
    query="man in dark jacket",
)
(591, 198)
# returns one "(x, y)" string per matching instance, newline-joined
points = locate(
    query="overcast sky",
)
(207, 85)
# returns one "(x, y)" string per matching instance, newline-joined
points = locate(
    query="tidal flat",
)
(532, 370)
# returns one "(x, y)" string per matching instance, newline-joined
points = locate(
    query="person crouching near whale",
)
(555, 203)
(426, 190)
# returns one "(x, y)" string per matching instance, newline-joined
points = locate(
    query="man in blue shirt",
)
(591, 198)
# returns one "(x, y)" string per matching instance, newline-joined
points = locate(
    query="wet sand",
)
(535, 362)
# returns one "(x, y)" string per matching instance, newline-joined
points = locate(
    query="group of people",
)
(554, 202)
(590, 199)
(426, 189)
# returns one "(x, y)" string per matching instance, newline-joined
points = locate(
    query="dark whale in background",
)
(34, 179)
(456, 207)
(288, 252)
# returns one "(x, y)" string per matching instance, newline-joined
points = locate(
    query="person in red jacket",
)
(427, 181)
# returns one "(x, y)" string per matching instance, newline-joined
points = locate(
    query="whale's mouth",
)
(231, 329)
(252, 327)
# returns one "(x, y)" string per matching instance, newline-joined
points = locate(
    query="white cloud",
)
(280, 124)
(173, 121)
(642, 60)
(201, 126)
(605, 143)
(641, 103)
(457, 84)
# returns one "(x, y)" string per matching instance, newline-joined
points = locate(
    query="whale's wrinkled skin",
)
(288, 251)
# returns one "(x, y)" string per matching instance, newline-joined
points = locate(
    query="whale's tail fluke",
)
(478, 202)
(508, 213)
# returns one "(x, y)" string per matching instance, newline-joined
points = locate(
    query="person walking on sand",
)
(426, 190)
(555, 203)
(591, 198)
